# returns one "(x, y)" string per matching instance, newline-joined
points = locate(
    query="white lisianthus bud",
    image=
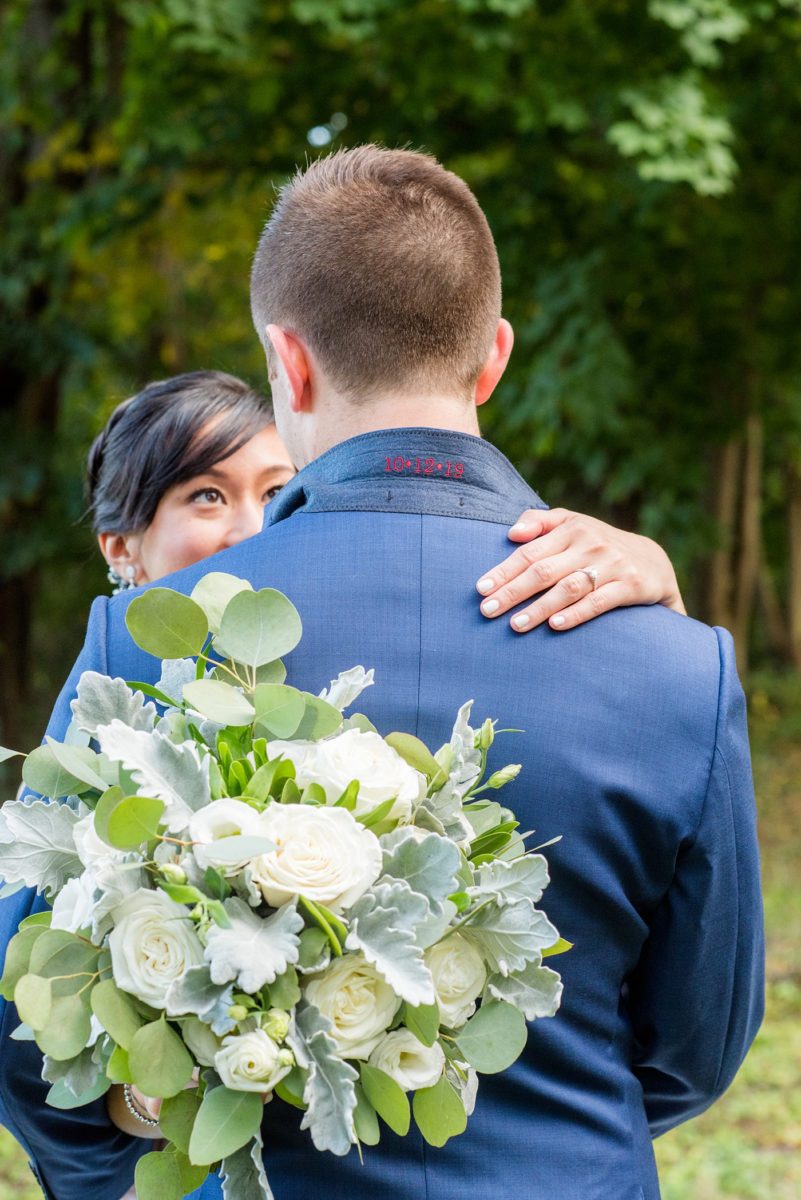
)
(459, 976)
(275, 1023)
(218, 820)
(173, 873)
(152, 944)
(200, 1040)
(286, 1058)
(250, 1062)
(238, 1012)
(405, 1059)
(321, 853)
(354, 754)
(506, 774)
(357, 1001)
(486, 735)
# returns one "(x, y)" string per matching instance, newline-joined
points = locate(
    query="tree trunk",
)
(750, 538)
(794, 564)
(721, 566)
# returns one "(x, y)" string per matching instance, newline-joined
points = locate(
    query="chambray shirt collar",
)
(409, 470)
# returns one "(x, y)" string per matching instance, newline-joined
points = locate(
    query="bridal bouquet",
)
(253, 896)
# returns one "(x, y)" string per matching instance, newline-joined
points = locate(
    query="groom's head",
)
(376, 282)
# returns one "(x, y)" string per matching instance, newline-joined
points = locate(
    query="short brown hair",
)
(383, 263)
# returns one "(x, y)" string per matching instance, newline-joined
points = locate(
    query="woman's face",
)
(205, 514)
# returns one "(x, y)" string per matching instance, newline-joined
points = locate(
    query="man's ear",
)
(121, 552)
(495, 365)
(291, 366)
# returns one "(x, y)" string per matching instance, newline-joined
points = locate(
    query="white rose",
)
(153, 943)
(320, 853)
(74, 905)
(358, 1002)
(336, 762)
(200, 1040)
(218, 820)
(252, 1062)
(459, 976)
(406, 1060)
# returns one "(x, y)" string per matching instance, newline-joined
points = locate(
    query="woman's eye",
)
(272, 492)
(207, 496)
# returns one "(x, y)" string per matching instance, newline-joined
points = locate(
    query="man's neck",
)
(339, 423)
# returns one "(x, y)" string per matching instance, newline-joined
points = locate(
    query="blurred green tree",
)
(638, 164)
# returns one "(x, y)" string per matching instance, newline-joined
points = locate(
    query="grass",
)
(748, 1147)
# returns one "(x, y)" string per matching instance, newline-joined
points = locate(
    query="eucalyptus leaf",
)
(68, 1028)
(382, 925)
(423, 1022)
(177, 1117)
(254, 950)
(79, 1080)
(319, 720)
(6, 754)
(118, 1068)
(18, 957)
(387, 1098)
(415, 753)
(439, 1113)
(167, 624)
(158, 1177)
(214, 592)
(67, 959)
(160, 1063)
(62, 1097)
(225, 1121)
(116, 1012)
(134, 821)
(34, 1000)
(365, 1119)
(44, 773)
(494, 1038)
(279, 709)
(219, 701)
(37, 845)
(258, 627)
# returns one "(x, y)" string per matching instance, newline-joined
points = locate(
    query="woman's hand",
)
(560, 546)
(146, 1106)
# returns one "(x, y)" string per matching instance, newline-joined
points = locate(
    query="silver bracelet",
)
(151, 1122)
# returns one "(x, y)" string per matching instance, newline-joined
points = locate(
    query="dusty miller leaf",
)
(197, 993)
(175, 774)
(509, 936)
(243, 1174)
(524, 879)
(101, 700)
(536, 990)
(255, 950)
(429, 864)
(329, 1092)
(37, 845)
(383, 925)
(175, 672)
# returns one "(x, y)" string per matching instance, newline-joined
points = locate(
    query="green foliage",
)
(439, 1112)
(160, 1063)
(494, 1038)
(387, 1098)
(225, 1121)
(166, 624)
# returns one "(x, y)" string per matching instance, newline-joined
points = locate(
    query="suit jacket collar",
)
(410, 470)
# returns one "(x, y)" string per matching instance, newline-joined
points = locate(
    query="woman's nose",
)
(248, 520)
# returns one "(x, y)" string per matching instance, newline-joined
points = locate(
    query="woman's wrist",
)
(130, 1113)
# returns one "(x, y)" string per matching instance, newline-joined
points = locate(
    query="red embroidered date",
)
(400, 465)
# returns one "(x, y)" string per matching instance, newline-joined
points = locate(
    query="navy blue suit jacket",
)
(635, 751)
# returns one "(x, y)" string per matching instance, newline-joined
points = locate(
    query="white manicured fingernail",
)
(558, 621)
(490, 606)
(521, 622)
(520, 527)
(487, 584)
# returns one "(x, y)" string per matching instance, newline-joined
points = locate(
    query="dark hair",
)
(384, 264)
(155, 440)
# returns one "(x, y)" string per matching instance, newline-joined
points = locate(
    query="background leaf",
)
(258, 627)
(167, 624)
